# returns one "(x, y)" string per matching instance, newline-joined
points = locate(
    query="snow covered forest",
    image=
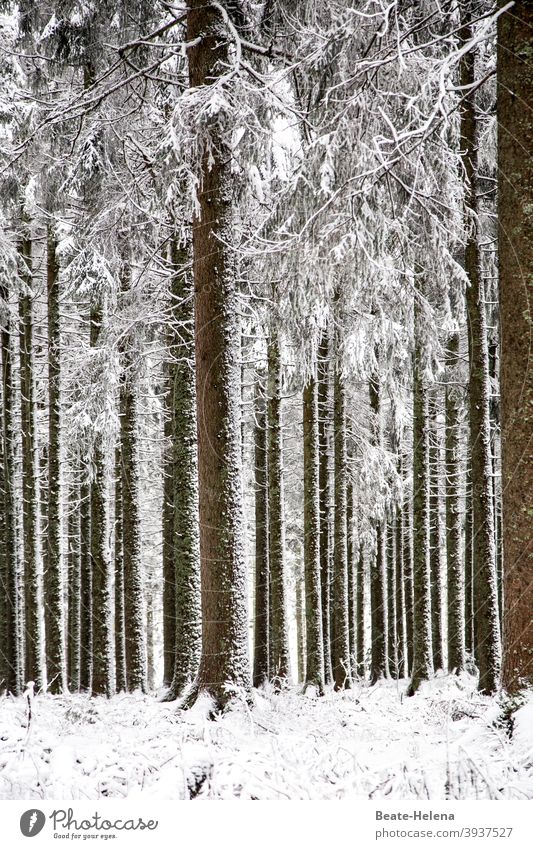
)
(266, 457)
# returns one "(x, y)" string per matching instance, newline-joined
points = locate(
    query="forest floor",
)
(370, 742)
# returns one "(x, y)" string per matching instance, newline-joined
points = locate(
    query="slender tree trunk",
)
(314, 674)
(434, 536)
(360, 612)
(169, 554)
(341, 636)
(53, 590)
(485, 588)
(74, 587)
(30, 473)
(400, 591)
(515, 208)
(86, 588)
(456, 617)
(10, 647)
(323, 484)
(185, 547)
(422, 668)
(261, 609)
(392, 649)
(409, 585)
(100, 565)
(379, 662)
(224, 665)
(350, 532)
(300, 627)
(279, 628)
(120, 630)
(470, 641)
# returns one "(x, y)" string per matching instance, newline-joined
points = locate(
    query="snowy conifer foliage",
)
(265, 275)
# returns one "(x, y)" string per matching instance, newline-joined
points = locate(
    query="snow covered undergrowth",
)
(371, 742)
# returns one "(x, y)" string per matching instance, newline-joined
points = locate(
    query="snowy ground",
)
(372, 742)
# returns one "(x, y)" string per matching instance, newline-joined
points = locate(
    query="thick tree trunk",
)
(185, 546)
(100, 565)
(224, 665)
(9, 655)
(30, 474)
(342, 672)
(74, 586)
(484, 553)
(435, 537)
(120, 630)
(379, 662)
(515, 208)
(53, 589)
(314, 674)
(276, 544)
(323, 484)
(86, 588)
(422, 668)
(261, 606)
(456, 616)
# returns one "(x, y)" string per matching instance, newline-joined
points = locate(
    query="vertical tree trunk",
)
(360, 612)
(169, 554)
(100, 565)
(30, 472)
(400, 591)
(224, 665)
(9, 655)
(134, 634)
(314, 666)
(392, 649)
(261, 608)
(323, 484)
(53, 589)
(300, 626)
(408, 584)
(120, 630)
(350, 532)
(422, 649)
(379, 662)
(279, 628)
(185, 547)
(485, 588)
(86, 587)
(341, 636)
(470, 641)
(515, 208)
(434, 536)
(74, 587)
(456, 618)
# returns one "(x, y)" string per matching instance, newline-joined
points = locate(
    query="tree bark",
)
(341, 636)
(324, 486)
(379, 662)
(86, 587)
(434, 536)
(120, 629)
(224, 665)
(53, 589)
(261, 607)
(515, 214)
(484, 554)
(74, 586)
(314, 674)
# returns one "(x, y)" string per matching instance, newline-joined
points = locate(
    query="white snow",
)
(372, 742)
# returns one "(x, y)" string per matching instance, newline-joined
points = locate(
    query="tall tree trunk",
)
(169, 554)
(400, 591)
(485, 588)
(392, 649)
(100, 565)
(30, 473)
(470, 641)
(276, 543)
(134, 633)
(515, 208)
(350, 533)
(185, 477)
(120, 629)
(314, 674)
(224, 665)
(53, 589)
(341, 635)
(456, 616)
(422, 649)
(434, 536)
(9, 655)
(74, 586)
(379, 663)
(360, 612)
(408, 584)
(86, 587)
(300, 626)
(323, 484)
(261, 607)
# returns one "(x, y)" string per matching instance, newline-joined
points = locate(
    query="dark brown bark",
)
(515, 208)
